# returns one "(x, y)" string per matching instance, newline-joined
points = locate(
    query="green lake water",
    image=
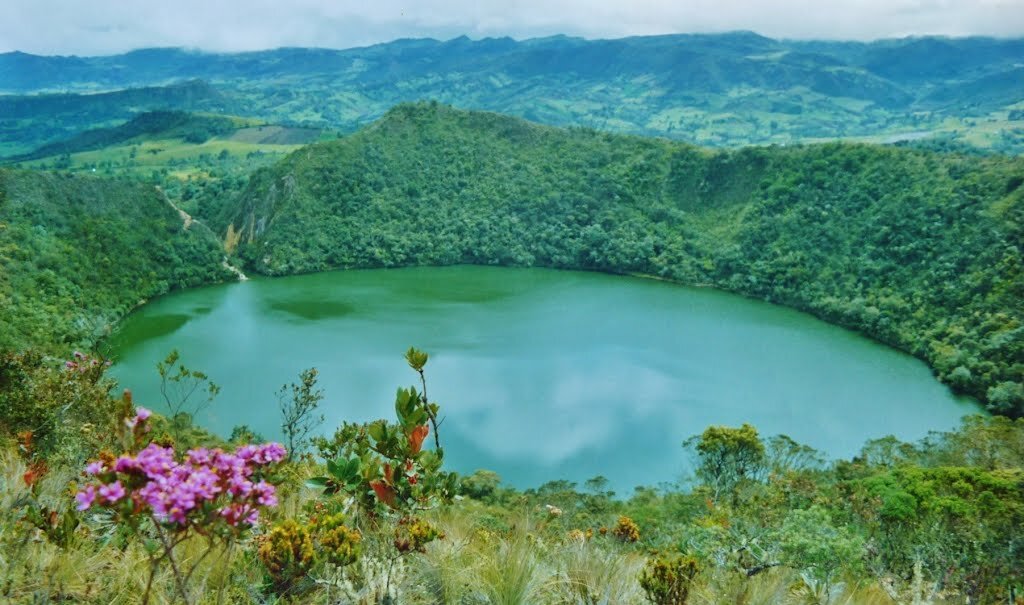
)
(541, 374)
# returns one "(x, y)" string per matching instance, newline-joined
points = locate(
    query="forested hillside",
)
(77, 253)
(918, 250)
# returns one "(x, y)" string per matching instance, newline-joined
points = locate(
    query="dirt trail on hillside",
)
(186, 224)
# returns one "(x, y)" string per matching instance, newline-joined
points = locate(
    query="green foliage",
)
(78, 253)
(298, 404)
(940, 519)
(186, 392)
(481, 485)
(28, 122)
(191, 128)
(728, 457)
(383, 465)
(813, 545)
(64, 412)
(242, 434)
(986, 442)
(945, 518)
(723, 90)
(915, 249)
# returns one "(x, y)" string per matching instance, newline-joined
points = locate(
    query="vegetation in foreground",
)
(105, 503)
(919, 250)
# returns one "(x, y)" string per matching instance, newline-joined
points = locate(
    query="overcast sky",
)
(88, 27)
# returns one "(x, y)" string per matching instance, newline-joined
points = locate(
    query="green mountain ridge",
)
(715, 89)
(918, 250)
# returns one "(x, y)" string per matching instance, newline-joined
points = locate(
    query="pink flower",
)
(246, 452)
(155, 461)
(199, 456)
(235, 514)
(265, 494)
(240, 486)
(85, 497)
(124, 464)
(142, 413)
(112, 493)
(182, 492)
(271, 452)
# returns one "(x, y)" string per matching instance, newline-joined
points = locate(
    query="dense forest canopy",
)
(916, 249)
(77, 253)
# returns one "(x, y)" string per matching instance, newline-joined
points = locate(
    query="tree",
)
(186, 392)
(728, 456)
(818, 550)
(784, 454)
(481, 485)
(298, 404)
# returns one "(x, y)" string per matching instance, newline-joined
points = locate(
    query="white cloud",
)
(109, 26)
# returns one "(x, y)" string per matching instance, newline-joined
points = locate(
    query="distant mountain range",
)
(723, 89)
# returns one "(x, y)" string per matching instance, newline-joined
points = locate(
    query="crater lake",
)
(540, 374)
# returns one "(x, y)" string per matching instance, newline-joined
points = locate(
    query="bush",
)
(287, 554)
(667, 580)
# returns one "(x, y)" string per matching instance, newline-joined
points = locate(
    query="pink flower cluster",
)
(207, 482)
(83, 363)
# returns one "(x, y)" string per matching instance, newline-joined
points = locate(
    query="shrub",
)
(336, 543)
(287, 554)
(667, 580)
(626, 530)
(67, 410)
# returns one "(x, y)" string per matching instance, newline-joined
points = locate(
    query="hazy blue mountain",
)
(723, 89)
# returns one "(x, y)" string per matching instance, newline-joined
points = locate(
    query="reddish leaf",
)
(385, 493)
(416, 438)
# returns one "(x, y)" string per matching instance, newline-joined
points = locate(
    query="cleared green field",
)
(276, 135)
(185, 160)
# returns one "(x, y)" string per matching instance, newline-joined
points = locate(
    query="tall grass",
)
(592, 574)
(510, 572)
(446, 572)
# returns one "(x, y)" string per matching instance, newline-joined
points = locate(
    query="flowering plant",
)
(383, 465)
(386, 471)
(206, 485)
(208, 492)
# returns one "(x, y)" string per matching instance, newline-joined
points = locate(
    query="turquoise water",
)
(541, 374)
